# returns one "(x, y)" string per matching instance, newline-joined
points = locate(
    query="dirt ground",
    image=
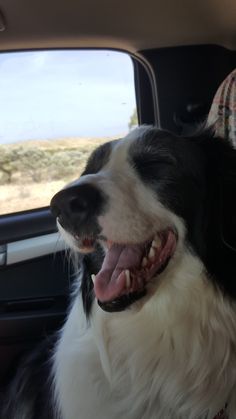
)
(29, 195)
(14, 198)
(22, 196)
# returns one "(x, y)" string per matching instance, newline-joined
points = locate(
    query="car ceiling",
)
(130, 25)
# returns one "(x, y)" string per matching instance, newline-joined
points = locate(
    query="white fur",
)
(172, 355)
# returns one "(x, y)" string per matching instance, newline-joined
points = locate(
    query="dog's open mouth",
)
(128, 268)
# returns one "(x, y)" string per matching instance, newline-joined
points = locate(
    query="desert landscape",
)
(31, 172)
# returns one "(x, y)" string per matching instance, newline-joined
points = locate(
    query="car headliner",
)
(130, 25)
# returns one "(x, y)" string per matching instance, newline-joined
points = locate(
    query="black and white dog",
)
(151, 333)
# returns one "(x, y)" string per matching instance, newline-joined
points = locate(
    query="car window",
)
(55, 108)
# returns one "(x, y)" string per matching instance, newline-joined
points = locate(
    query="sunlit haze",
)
(55, 94)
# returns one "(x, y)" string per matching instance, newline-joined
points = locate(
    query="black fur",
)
(98, 158)
(90, 264)
(31, 389)
(196, 179)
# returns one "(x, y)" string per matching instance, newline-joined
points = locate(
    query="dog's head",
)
(147, 199)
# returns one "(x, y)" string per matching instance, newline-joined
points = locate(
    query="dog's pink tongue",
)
(110, 282)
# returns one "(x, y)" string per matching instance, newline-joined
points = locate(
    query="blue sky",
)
(51, 94)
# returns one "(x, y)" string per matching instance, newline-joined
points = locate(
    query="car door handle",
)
(34, 247)
(3, 254)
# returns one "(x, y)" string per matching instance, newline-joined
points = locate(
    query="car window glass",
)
(55, 108)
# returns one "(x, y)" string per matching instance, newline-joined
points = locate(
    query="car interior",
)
(180, 52)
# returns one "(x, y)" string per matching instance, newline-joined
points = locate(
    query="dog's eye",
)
(150, 166)
(151, 159)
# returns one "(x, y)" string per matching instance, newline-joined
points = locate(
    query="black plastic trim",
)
(187, 78)
(144, 93)
(25, 225)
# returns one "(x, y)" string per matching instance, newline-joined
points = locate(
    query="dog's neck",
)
(173, 346)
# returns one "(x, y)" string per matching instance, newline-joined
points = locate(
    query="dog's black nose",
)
(77, 204)
(71, 201)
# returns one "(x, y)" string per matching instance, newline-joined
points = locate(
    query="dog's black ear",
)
(221, 235)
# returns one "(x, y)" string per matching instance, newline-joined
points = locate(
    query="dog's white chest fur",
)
(173, 358)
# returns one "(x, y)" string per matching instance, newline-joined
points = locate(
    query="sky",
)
(56, 94)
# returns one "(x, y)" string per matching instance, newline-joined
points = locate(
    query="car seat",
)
(222, 116)
(222, 113)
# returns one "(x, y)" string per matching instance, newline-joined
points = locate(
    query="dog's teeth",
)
(156, 243)
(127, 275)
(144, 262)
(93, 277)
(151, 253)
